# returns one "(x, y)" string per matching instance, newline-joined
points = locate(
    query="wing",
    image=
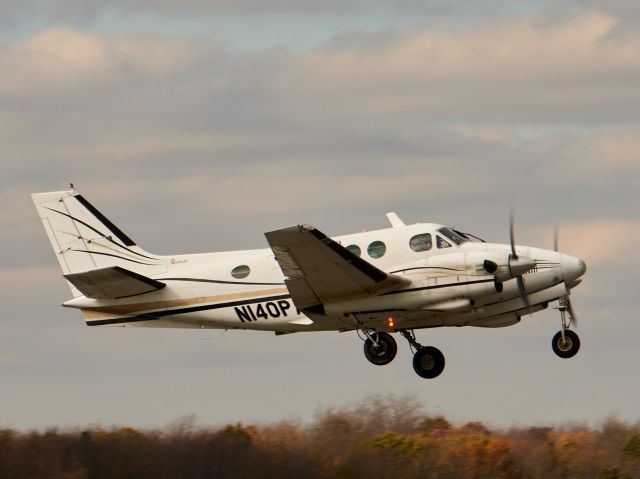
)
(112, 283)
(319, 270)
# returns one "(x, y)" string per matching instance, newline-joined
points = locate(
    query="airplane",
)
(376, 283)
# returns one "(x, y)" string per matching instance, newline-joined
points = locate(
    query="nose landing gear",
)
(565, 343)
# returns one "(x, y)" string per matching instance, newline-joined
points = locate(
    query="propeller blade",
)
(511, 237)
(555, 237)
(522, 292)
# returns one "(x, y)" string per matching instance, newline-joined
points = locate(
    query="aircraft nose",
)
(572, 268)
(582, 267)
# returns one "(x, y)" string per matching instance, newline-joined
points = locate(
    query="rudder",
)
(84, 239)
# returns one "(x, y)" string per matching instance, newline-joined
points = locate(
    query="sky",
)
(197, 126)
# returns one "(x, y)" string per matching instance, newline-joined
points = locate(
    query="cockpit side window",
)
(421, 242)
(453, 236)
(442, 243)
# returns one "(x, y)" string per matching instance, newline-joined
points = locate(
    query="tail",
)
(83, 239)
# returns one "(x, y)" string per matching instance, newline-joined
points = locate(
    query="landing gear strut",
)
(565, 343)
(428, 362)
(380, 348)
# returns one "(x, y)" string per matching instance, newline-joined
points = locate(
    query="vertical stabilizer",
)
(84, 239)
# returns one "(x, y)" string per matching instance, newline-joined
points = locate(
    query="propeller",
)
(513, 257)
(522, 292)
(573, 319)
(515, 267)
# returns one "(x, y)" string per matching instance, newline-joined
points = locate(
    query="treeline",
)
(383, 437)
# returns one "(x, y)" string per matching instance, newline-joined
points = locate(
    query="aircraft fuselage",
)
(448, 287)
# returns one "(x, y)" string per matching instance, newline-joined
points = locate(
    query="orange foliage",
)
(382, 438)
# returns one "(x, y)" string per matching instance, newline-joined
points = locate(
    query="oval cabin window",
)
(377, 249)
(240, 272)
(355, 249)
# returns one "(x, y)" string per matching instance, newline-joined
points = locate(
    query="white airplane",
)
(394, 280)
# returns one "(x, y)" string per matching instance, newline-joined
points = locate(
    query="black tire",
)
(384, 352)
(428, 362)
(569, 348)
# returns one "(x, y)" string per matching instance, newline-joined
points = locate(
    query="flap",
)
(321, 271)
(112, 283)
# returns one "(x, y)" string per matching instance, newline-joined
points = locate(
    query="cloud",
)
(79, 11)
(66, 61)
(602, 242)
(606, 245)
(618, 151)
(518, 70)
(407, 106)
(29, 281)
(141, 96)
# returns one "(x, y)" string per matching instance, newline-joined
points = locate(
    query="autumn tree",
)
(381, 437)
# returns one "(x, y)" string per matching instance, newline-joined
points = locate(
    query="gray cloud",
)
(82, 12)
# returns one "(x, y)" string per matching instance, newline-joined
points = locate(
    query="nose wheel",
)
(567, 346)
(566, 343)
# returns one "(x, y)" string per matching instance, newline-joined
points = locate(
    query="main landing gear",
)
(380, 348)
(566, 343)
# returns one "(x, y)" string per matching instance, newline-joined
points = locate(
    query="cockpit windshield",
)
(470, 237)
(453, 235)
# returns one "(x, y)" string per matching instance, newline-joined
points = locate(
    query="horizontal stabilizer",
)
(113, 282)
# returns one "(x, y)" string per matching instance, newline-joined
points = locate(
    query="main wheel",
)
(567, 348)
(384, 352)
(428, 362)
